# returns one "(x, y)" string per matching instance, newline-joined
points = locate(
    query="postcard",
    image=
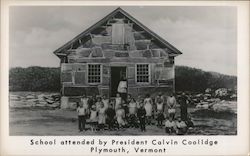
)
(125, 78)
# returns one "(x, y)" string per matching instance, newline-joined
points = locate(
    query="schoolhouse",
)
(94, 61)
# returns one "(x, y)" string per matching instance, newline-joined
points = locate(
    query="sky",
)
(207, 36)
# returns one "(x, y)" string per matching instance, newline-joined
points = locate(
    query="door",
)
(116, 74)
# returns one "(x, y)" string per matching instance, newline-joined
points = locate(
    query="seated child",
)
(132, 112)
(141, 114)
(170, 126)
(181, 127)
(93, 118)
(189, 122)
(120, 114)
(110, 112)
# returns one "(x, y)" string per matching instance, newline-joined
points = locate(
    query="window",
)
(118, 32)
(94, 73)
(142, 73)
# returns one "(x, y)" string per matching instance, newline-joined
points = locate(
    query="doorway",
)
(116, 75)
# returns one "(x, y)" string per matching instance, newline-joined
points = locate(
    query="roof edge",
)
(88, 30)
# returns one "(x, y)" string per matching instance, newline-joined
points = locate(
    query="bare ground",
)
(35, 121)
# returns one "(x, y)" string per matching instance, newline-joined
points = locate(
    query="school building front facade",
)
(94, 61)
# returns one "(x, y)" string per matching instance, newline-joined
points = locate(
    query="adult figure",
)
(122, 88)
(183, 100)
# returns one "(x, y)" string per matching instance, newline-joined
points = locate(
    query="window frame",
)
(149, 73)
(94, 83)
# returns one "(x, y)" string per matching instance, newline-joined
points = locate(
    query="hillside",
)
(34, 79)
(48, 79)
(192, 79)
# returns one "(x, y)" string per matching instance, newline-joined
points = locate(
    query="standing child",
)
(171, 102)
(93, 118)
(120, 114)
(85, 102)
(132, 112)
(118, 101)
(92, 100)
(141, 114)
(98, 103)
(125, 107)
(105, 101)
(148, 104)
(159, 111)
(101, 116)
(81, 117)
(110, 112)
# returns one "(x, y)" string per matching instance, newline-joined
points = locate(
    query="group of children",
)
(120, 113)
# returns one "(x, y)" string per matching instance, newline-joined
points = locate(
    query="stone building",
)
(93, 61)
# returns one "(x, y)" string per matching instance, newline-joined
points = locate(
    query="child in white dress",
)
(93, 118)
(118, 101)
(120, 114)
(148, 105)
(132, 112)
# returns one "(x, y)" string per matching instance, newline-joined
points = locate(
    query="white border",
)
(228, 145)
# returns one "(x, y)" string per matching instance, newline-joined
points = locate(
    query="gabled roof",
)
(105, 19)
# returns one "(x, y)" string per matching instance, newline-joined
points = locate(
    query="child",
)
(85, 100)
(159, 111)
(93, 118)
(92, 100)
(120, 114)
(189, 122)
(170, 126)
(141, 114)
(148, 104)
(181, 127)
(129, 98)
(132, 112)
(110, 116)
(81, 117)
(125, 107)
(159, 96)
(171, 102)
(101, 116)
(105, 101)
(118, 101)
(98, 103)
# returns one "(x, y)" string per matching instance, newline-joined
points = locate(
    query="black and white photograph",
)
(122, 70)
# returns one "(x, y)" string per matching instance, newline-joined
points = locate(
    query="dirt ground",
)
(47, 122)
